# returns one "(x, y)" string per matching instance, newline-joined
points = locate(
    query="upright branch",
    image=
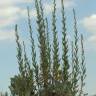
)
(73, 69)
(42, 46)
(65, 46)
(76, 58)
(83, 68)
(48, 46)
(29, 80)
(25, 62)
(56, 61)
(33, 52)
(19, 51)
(65, 60)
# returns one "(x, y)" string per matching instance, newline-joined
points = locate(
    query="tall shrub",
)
(52, 75)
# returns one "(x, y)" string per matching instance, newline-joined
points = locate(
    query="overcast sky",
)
(14, 11)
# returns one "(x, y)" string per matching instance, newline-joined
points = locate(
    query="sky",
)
(14, 12)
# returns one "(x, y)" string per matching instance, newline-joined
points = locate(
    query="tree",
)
(51, 76)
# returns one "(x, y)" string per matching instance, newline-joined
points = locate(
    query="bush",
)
(52, 75)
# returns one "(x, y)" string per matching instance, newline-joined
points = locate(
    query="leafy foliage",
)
(51, 76)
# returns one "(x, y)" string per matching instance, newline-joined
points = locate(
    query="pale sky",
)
(14, 11)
